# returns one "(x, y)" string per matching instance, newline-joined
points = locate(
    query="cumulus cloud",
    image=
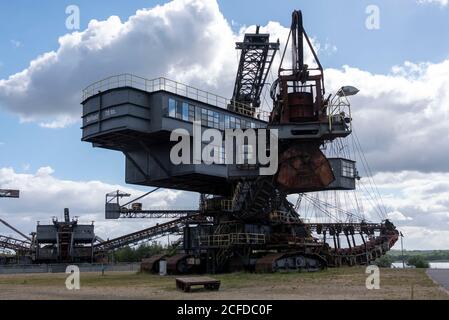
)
(401, 118)
(417, 203)
(44, 196)
(441, 3)
(421, 198)
(397, 216)
(186, 40)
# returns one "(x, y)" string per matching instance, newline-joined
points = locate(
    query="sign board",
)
(6, 193)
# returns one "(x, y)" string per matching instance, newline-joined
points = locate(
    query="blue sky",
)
(408, 32)
(400, 102)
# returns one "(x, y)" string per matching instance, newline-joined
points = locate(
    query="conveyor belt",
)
(146, 234)
(14, 244)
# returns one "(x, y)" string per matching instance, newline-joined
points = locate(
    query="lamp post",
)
(402, 250)
(347, 91)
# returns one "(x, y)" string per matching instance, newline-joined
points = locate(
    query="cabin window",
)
(197, 114)
(237, 123)
(347, 169)
(172, 108)
(221, 121)
(216, 121)
(227, 122)
(210, 118)
(204, 117)
(191, 113)
(232, 122)
(185, 111)
(178, 110)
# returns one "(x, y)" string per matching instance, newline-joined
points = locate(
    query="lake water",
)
(433, 264)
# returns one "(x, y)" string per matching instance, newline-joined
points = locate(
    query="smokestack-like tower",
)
(66, 215)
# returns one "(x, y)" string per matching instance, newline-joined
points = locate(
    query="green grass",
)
(354, 276)
(341, 283)
(235, 280)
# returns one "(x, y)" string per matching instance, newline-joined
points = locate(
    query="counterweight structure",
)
(244, 219)
(64, 241)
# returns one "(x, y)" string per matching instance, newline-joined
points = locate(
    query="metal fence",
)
(60, 268)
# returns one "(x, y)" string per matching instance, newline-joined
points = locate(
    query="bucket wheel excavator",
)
(245, 221)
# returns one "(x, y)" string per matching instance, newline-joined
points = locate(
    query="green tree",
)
(418, 262)
(136, 254)
(384, 261)
(125, 254)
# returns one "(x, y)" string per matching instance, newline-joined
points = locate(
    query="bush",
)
(384, 261)
(418, 262)
(136, 254)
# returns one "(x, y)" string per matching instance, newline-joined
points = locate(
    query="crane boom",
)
(14, 229)
(256, 57)
(8, 193)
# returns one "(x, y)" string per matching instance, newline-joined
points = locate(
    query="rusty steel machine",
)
(245, 221)
(64, 241)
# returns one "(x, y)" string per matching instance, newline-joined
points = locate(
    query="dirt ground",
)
(344, 283)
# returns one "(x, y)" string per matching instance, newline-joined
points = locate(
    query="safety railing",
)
(227, 205)
(282, 217)
(153, 85)
(230, 239)
(339, 112)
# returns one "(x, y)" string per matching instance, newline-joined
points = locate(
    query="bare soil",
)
(344, 283)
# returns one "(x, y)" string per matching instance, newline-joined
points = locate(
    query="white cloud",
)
(441, 3)
(418, 238)
(402, 119)
(417, 203)
(16, 43)
(186, 40)
(43, 196)
(397, 216)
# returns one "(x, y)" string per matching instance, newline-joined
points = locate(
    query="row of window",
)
(220, 154)
(347, 169)
(209, 118)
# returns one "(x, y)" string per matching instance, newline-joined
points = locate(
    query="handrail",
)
(161, 83)
(229, 239)
(339, 110)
